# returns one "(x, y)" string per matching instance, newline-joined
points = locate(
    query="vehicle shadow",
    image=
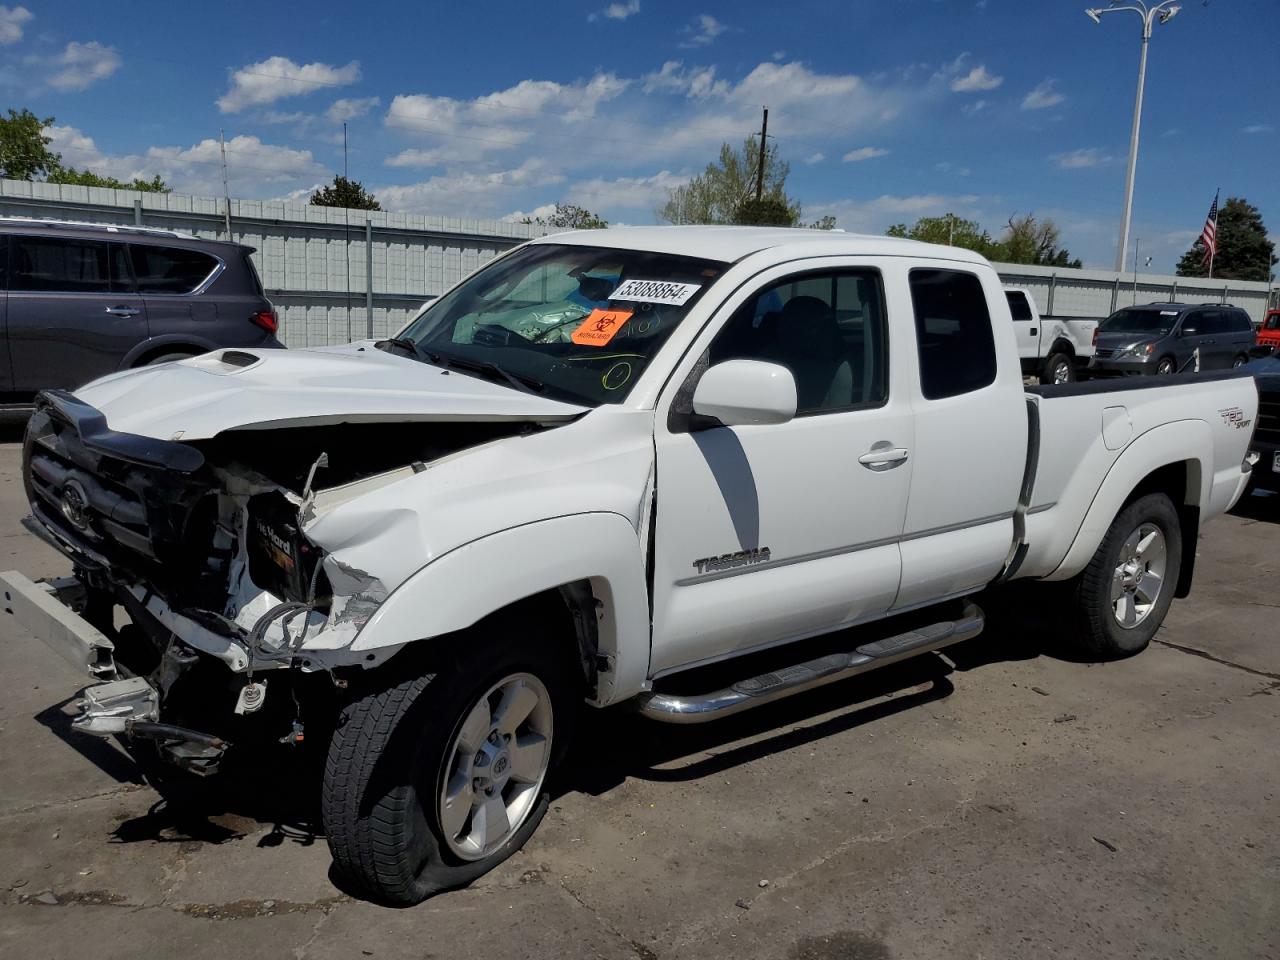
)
(279, 786)
(1261, 505)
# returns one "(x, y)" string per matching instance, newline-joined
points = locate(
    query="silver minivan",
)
(1165, 338)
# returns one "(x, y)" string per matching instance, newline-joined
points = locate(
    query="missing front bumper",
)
(45, 610)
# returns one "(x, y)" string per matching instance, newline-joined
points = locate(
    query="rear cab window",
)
(953, 332)
(1018, 305)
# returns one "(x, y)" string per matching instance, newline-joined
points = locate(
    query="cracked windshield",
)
(574, 323)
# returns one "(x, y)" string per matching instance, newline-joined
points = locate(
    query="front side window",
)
(170, 269)
(1145, 320)
(827, 328)
(953, 333)
(574, 322)
(51, 264)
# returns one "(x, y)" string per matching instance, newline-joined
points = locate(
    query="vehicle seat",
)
(810, 345)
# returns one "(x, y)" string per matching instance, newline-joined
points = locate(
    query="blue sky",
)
(887, 111)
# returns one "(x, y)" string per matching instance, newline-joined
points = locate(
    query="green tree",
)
(823, 223)
(1027, 239)
(87, 178)
(949, 230)
(570, 217)
(718, 193)
(1244, 252)
(345, 193)
(765, 212)
(24, 146)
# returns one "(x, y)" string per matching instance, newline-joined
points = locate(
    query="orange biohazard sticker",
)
(600, 327)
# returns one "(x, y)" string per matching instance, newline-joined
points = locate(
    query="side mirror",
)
(1188, 331)
(742, 392)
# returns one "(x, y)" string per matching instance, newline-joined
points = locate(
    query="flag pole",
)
(1214, 249)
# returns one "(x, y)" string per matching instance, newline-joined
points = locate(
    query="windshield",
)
(1129, 320)
(576, 323)
(1272, 322)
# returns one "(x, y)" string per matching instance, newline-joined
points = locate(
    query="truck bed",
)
(1096, 441)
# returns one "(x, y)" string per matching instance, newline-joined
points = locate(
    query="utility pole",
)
(764, 135)
(226, 192)
(346, 229)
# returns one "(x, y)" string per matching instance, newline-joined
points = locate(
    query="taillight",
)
(266, 319)
(1095, 336)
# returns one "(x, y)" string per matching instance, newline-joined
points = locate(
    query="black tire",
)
(1239, 361)
(1165, 366)
(388, 754)
(1098, 630)
(1058, 368)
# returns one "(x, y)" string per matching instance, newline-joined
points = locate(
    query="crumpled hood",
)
(240, 388)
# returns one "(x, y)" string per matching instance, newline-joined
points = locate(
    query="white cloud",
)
(79, 66)
(269, 80)
(633, 193)
(974, 108)
(467, 193)
(1043, 95)
(12, 20)
(1082, 158)
(814, 158)
(542, 212)
(252, 166)
(864, 153)
(702, 31)
(617, 11)
(976, 79)
(1259, 128)
(696, 82)
(348, 108)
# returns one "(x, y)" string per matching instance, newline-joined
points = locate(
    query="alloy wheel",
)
(1139, 575)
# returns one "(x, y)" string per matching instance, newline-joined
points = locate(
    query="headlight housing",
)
(1139, 351)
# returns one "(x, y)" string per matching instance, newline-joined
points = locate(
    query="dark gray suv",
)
(83, 300)
(1164, 338)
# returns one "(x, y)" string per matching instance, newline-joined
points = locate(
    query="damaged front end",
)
(205, 546)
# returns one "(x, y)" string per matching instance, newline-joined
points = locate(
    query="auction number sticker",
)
(599, 327)
(656, 291)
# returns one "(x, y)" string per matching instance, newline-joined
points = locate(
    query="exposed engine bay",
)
(204, 543)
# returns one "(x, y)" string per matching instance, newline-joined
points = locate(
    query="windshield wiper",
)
(517, 380)
(402, 343)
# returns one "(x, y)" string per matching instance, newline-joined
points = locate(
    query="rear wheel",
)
(1123, 595)
(1239, 361)
(433, 781)
(1058, 369)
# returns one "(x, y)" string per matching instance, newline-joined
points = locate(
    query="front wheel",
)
(1165, 367)
(1123, 595)
(1239, 361)
(434, 781)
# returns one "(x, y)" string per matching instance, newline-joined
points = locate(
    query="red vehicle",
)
(1269, 332)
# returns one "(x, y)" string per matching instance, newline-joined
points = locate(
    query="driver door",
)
(770, 533)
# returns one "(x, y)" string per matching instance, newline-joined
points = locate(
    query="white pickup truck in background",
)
(1052, 349)
(687, 469)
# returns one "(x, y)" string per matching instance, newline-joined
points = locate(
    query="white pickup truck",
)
(1052, 349)
(647, 466)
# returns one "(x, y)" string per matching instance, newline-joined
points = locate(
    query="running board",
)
(784, 682)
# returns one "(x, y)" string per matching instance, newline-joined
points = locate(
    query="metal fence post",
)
(137, 211)
(1224, 294)
(1174, 297)
(1053, 285)
(1115, 295)
(368, 276)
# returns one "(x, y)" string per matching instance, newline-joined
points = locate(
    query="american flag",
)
(1209, 235)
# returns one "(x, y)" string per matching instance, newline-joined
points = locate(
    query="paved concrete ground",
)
(1005, 802)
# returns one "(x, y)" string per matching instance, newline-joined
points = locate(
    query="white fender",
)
(1183, 440)
(461, 587)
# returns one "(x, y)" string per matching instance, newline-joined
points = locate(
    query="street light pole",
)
(1164, 11)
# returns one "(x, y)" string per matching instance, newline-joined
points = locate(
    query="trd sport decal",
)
(727, 561)
(1234, 417)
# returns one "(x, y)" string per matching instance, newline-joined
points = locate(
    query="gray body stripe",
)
(839, 551)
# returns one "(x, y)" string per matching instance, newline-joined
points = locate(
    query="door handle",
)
(122, 311)
(1033, 331)
(885, 458)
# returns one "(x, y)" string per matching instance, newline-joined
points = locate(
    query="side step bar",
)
(776, 684)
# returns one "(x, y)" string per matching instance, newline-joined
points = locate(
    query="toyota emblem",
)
(75, 503)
